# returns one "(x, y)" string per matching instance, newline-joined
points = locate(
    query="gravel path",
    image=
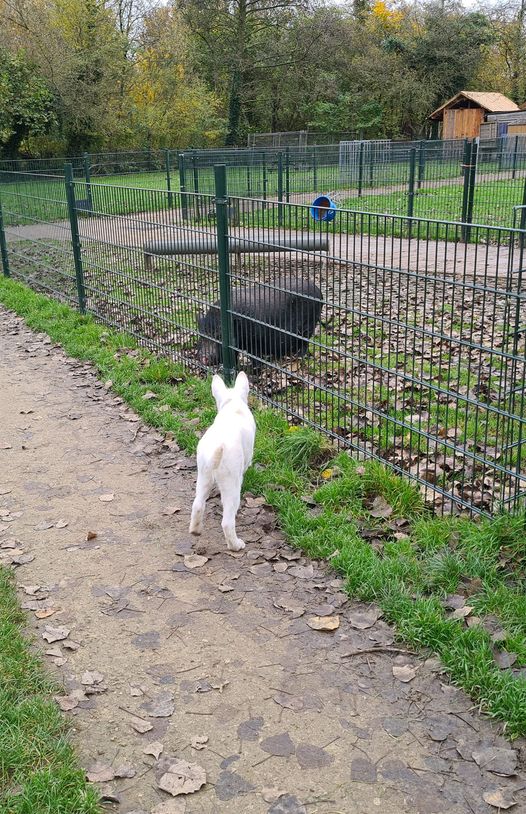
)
(209, 657)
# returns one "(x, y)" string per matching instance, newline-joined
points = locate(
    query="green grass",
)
(493, 202)
(324, 506)
(39, 771)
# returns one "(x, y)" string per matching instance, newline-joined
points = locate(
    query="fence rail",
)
(418, 358)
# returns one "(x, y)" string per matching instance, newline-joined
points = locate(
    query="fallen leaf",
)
(61, 524)
(380, 507)
(254, 502)
(278, 745)
(136, 692)
(149, 395)
(67, 702)
(141, 726)
(169, 510)
(161, 706)
(100, 773)
(496, 759)
(182, 778)
(45, 524)
(302, 571)
(194, 560)
(287, 804)
(44, 614)
(199, 742)
(155, 749)
(404, 672)
(361, 620)
(55, 634)
(327, 474)
(461, 613)
(289, 701)
(499, 798)
(23, 559)
(91, 535)
(504, 659)
(324, 622)
(91, 677)
(170, 807)
(106, 498)
(126, 770)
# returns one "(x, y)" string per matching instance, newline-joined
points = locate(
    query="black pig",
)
(269, 321)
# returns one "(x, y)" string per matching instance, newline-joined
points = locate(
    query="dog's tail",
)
(217, 456)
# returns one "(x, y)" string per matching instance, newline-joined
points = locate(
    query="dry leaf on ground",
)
(106, 498)
(55, 634)
(380, 507)
(182, 778)
(194, 560)
(100, 773)
(499, 798)
(199, 742)
(155, 749)
(324, 622)
(404, 672)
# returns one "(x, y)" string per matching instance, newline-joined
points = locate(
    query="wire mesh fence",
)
(402, 339)
(479, 182)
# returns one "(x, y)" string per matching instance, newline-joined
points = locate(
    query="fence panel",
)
(38, 232)
(418, 358)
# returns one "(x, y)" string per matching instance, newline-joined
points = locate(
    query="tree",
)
(238, 40)
(26, 102)
(173, 106)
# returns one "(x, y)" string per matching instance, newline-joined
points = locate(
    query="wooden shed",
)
(461, 116)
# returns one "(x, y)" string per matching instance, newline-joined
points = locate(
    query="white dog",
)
(224, 453)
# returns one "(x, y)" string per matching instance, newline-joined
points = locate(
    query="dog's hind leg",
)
(205, 482)
(230, 497)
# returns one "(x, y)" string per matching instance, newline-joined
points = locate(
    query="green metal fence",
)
(418, 358)
(446, 180)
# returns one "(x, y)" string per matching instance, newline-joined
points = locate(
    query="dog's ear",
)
(218, 389)
(242, 386)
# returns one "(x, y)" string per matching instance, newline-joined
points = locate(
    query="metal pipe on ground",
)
(236, 245)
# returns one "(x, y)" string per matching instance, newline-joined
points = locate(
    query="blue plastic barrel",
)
(323, 208)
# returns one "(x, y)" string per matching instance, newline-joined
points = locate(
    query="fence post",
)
(3, 246)
(465, 157)
(501, 145)
(182, 185)
(87, 176)
(75, 238)
(314, 168)
(360, 169)
(221, 200)
(421, 162)
(195, 172)
(265, 180)
(280, 189)
(287, 174)
(168, 178)
(515, 150)
(411, 185)
(468, 195)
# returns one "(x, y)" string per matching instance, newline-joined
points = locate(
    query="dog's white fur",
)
(224, 453)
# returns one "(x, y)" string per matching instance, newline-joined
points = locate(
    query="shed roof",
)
(492, 102)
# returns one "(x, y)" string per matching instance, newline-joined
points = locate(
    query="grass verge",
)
(371, 524)
(39, 771)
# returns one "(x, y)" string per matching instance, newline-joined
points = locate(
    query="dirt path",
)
(216, 653)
